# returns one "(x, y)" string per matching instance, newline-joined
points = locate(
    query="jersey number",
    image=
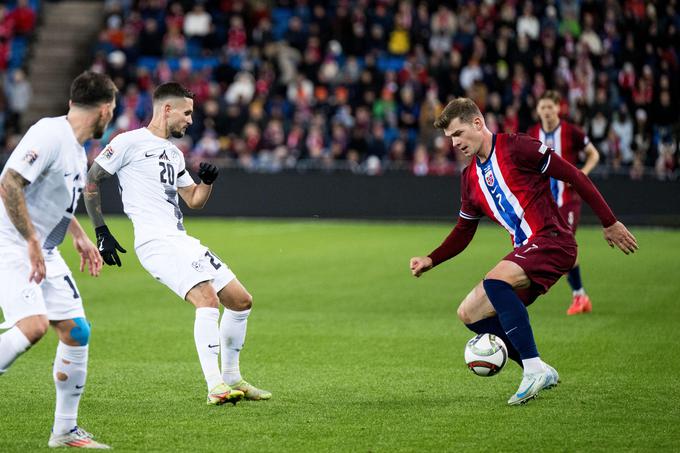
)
(74, 197)
(499, 197)
(73, 286)
(213, 260)
(169, 170)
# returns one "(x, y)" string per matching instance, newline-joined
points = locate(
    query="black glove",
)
(207, 173)
(108, 245)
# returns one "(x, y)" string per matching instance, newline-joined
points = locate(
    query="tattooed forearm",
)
(12, 193)
(92, 195)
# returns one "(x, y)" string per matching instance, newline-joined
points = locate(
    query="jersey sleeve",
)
(184, 179)
(34, 154)
(469, 209)
(529, 153)
(114, 156)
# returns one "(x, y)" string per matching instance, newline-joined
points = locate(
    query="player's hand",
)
(207, 173)
(420, 265)
(89, 255)
(619, 236)
(37, 260)
(108, 246)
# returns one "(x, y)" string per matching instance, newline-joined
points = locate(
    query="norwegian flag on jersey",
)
(510, 187)
(567, 140)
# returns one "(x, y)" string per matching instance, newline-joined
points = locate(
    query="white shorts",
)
(57, 296)
(182, 262)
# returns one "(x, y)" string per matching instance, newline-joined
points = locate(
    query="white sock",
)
(233, 334)
(13, 343)
(69, 373)
(533, 365)
(207, 338)
(579, 292)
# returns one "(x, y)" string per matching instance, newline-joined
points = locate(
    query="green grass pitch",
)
(362, 357)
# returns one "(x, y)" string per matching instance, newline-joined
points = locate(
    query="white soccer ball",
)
(486, 354)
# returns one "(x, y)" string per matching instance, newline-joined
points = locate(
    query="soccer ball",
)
(486, 354)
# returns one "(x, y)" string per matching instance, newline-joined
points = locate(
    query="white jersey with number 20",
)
(150, 169)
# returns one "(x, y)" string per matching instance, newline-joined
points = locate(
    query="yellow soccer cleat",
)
(251, 392)
(222, 393)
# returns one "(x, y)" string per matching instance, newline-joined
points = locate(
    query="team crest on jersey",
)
(108, 152)
(488, 177)
(197, 265)
(30, 156)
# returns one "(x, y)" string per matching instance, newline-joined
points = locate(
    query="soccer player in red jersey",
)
(508, 180)
(567, 140)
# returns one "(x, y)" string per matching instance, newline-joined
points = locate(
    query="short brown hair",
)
(551, 95)
(90, 89)
(171, 90)
(463, 108)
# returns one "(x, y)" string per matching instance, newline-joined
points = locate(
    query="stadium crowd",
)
(357, 84)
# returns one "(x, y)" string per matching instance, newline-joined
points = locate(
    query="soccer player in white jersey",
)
(40, 187)
(151, 172)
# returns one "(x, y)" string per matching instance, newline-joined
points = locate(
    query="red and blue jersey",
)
(567, 140)
(512, 189)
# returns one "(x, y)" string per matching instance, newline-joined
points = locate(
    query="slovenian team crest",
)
(488, 177)
(108, 152)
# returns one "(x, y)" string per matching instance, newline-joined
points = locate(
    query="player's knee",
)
(464, 315)
(207, 301)
(80, 333)
(34, 327)
(245, 302)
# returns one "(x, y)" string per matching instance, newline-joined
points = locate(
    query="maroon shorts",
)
(571, 212)
(544, 259)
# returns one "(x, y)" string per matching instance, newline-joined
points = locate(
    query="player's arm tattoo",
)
(12, 193)
(92, 194)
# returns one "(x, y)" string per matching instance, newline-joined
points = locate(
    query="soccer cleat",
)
(251, 392)
(553, 377)
(222, 393)
(531, 385)
(76, 438)
(580, 304)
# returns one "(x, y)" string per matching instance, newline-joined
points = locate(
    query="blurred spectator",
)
(667, 163)
(197, 22)
(622, 127)
(18, 92)
(6, 24)
(527, 23)
(23, 17)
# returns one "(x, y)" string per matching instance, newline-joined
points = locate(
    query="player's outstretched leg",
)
(13, 343)
(207, 339)
(478, 315)
(580, 300)
(237, 304)
(514, 318)
(70, 374)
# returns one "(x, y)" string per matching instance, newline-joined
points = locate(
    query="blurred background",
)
(326, 108)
